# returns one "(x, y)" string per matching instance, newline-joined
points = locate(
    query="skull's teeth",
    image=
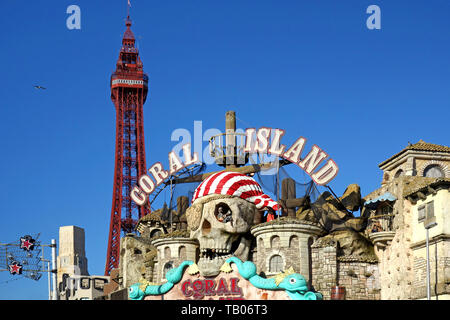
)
(213, 252)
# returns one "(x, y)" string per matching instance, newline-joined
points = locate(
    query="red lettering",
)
(185, 288)
(199, 289)
(235, 289)
(222, 288)
(209, 287)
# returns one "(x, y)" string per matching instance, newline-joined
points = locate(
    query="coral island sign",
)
(256, 141)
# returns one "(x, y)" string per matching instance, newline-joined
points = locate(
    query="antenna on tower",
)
(128, 8)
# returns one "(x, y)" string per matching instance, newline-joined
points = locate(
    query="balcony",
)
(228, 149)
(380, 229)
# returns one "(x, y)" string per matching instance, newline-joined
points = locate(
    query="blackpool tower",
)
(129, 86)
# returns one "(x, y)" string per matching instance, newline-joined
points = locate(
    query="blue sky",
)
(309, 67)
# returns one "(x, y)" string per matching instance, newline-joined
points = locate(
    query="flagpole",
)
(54, 278)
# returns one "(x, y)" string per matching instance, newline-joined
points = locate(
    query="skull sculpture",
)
(221, 216)
(221, 230)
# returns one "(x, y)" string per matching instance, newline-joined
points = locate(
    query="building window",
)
(384, 209)
(433, 171)
(275, 242)
(399, 173)
(276, 264)
(99, 283)
(167, 253)
(182, 252)
(426, 211)
(167, 267)
(155, 233)
(293, 242)
(260, 243)
(65, 279)
(85, 283)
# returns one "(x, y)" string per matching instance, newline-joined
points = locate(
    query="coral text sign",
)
(315, 162)
(212, 288)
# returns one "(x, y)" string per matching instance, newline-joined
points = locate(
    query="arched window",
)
(399, 173)
(433, 171)
(276, 264)
(182, 252)
(260, 243)
(293, 242)
(155, 233)
(275, 242)
(167, 252)
(167, 267)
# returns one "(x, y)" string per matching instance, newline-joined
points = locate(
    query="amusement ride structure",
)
(25, 259)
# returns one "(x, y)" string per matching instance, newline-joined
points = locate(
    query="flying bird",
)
(39, 87)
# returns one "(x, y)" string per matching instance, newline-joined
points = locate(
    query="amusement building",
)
(231, 234)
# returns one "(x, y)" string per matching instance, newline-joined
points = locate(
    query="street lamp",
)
(428, 226)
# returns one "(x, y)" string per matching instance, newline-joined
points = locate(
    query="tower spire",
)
(128, 36)
(129, 87)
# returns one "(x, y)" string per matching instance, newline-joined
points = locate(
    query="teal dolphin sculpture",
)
(294, 284)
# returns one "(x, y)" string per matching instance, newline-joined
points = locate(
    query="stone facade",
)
(289, 239)
(171, 251)
(359, 278)
(324, 269)
(395, 256)
(439, 276)
(395, 253)
(401, 247)
(438, 194)
(136, 260)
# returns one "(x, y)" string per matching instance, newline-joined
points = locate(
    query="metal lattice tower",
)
(129, 86)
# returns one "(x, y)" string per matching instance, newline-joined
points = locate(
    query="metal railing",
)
(381, 223)
(228, 147)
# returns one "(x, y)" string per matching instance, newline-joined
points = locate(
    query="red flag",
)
(270, 217)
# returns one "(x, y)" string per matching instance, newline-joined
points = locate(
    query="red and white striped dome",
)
(235, 184)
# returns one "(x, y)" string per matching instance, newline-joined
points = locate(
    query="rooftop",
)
(174, 234)
(426, 184)
(419, 146)
(285, 220)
